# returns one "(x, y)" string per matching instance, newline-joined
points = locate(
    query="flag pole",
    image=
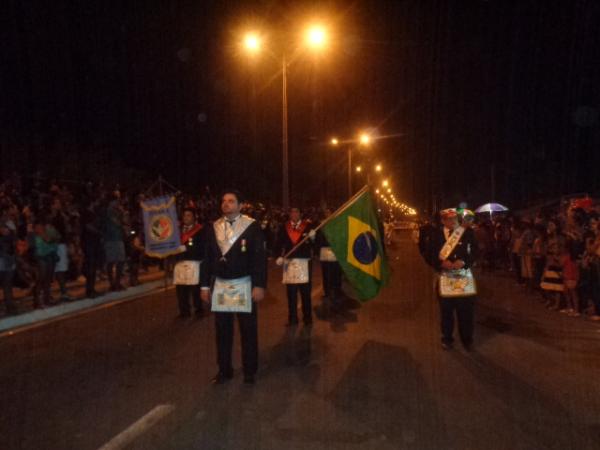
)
(340, 210)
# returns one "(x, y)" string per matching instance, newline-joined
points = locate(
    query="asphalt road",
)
(375, 377)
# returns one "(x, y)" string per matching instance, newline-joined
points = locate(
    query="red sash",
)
(295, 235)
(190, 234)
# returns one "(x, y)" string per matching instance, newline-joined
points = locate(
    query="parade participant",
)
(187, 269)
(114, 242)
(236, 267)
(452, 251)
(297, 267)
(330, 268)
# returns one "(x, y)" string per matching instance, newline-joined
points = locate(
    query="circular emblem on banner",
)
(161, 228)
(364, 248)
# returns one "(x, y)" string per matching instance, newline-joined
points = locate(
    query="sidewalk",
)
(150, 281)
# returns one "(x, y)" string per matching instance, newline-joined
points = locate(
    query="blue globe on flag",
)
(364, 248)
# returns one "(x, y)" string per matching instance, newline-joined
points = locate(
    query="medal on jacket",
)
(243, 245)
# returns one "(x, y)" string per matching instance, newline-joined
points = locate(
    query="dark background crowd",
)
(53, 232)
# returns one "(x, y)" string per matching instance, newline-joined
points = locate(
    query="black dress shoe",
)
(447, 345)
(221, 378)
(292, 322)
(468, 346)
(308, 322)
(249, 379)
(184, 315)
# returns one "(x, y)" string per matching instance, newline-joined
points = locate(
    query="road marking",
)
(138, 428)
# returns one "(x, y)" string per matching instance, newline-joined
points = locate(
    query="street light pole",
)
(349, 171)
(285, 194)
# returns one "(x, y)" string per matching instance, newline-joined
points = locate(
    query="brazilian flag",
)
(354, 234)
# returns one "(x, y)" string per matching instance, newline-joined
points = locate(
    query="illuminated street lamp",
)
(385, 183)
(378, 168)
(334, 141)
(252, 43)
(359, 169)
(316, 39)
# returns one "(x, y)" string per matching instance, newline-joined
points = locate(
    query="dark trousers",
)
(6, 279)
(464, 308)
(292, 295)
(114, 276)
(42, 287)
(539, 263)
(91, 264)
(249, 336)
(183, 298)
(332, 278)
(516, 263)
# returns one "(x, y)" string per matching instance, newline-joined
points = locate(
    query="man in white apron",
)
(233, 279)
(452, 252)
(297, 267)
(187, 269)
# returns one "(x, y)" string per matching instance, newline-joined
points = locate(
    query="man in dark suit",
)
(235, 253)
(290, 234)
(445, 259)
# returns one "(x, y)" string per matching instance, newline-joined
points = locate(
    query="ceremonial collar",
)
(227, 235)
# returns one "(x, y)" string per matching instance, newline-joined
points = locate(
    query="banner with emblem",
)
(160, 227)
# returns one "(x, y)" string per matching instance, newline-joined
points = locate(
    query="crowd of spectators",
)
(53, 232)
(554, 252)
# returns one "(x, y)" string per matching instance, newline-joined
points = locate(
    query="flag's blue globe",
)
(364, 248)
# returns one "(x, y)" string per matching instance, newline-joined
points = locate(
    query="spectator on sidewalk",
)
(114, 244)
(8, 231)
(60, 223)
(539, 254)
(570, 280)
(526, 254)
(516, 244)
(45, 245)
(91, 243)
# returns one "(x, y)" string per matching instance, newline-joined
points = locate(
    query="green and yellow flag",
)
(355, 236)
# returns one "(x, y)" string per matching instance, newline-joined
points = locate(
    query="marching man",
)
(233, 280)
(452, 251)
(297, 267)
(187, 270)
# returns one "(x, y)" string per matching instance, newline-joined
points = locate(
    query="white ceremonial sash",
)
(326, 254)
(295, 271)
(227, 234)
(186, 273)
(451, 243)
(232, 295)
(457, 283)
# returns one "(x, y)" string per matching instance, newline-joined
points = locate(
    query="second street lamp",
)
(316, 39)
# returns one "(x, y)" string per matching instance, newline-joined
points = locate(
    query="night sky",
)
(460, 92)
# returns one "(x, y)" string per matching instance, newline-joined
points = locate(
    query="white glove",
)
(312, 234)
(279, 261)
